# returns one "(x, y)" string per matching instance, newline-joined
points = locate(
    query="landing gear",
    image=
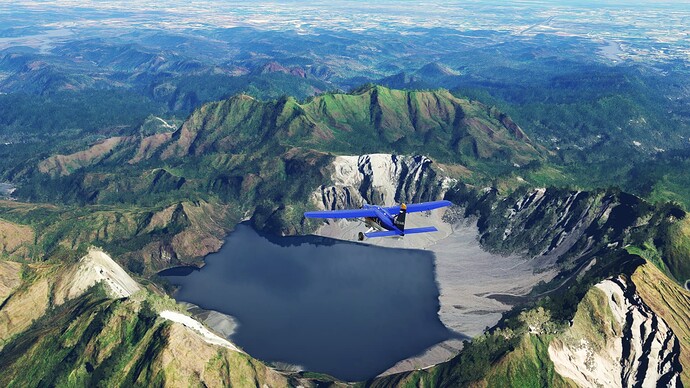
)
(361, 235)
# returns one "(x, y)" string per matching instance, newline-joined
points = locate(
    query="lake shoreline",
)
(467, 278)
(373, 306)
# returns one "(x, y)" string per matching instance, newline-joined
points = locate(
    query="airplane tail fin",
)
(399, 220)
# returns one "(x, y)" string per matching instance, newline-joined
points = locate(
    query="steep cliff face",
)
(670, 302)
(609, 334)
(561, 229)
(617, 340)
(380, 179)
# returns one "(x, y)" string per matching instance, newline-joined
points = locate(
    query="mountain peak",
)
(435, 69)
(273, 67)
(370, 119)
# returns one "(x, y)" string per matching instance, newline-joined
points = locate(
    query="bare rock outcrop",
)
(616, 340)
(381, 179)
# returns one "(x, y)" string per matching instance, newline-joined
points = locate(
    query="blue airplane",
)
(384, 221)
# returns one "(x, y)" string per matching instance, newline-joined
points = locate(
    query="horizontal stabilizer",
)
(383, 233)
(389, 233)
(425, 229)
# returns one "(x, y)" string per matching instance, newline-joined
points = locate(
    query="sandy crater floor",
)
(466, 276)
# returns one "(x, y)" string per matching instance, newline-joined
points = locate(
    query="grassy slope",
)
(677, 252)
(16, 240)
(185, 230)
(372, 119)
(28, 296)
(217, 139)
(243, 157)
(94, 340)
(527, 366)
(594, 323)
(669, 250)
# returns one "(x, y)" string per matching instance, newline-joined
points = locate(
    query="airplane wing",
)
(420, 207)
(351, 213)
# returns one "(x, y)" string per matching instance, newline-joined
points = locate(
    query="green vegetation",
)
(528, 365)
(188, 93)
(606, 126)
(160, 198)
(472, 364)
(542, 111)
(98, 111)
(648, 252)
(677, 250)
(670, 248)
(92, 340)
(515, 352)
(593, 322)
(62, 342)
(514, 355)
(377, 119)
(245, 157)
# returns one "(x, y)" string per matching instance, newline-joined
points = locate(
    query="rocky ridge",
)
(381, 179)
(466, 273)
(632, 346)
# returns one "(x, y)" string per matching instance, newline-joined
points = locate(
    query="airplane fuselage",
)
(382, 221)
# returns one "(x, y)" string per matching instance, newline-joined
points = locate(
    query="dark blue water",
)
(346, 309)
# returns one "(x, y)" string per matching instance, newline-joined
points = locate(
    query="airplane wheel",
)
(360, 237)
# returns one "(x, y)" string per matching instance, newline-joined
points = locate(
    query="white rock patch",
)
(198, 328)
(97, 266)
(648, 340)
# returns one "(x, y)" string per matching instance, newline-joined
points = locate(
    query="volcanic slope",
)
(610, 317)
(90, 323)
(158, 196)
(244, 158)
(370, 119)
